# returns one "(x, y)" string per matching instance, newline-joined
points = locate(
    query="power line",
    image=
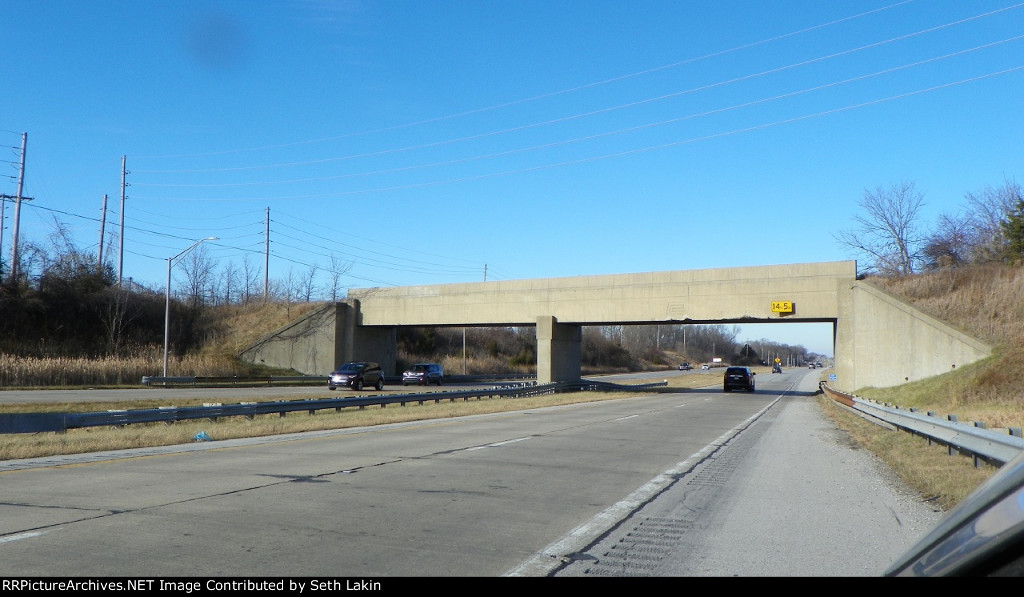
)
(559, 92)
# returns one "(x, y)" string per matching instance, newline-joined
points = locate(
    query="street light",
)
(167, 308)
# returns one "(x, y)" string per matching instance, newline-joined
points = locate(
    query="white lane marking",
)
(21, 536)
(498, 444)
(540, 563)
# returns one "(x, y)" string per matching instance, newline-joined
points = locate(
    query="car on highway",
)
(423, 374)
(685, 366)
(705, 366)
(738, 378)
(356, 375)
(776, 368)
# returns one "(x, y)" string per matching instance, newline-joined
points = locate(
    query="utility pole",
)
(17, 209)
(3, 206)
(266, 259)
(120, 241)
(103, 224)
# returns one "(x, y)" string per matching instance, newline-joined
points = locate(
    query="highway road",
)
(146, 396)
(698, 482)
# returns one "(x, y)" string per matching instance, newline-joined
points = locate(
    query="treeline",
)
(890, 233)
(82, 312)
(603, 349)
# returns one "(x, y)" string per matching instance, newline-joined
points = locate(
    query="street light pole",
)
(167, 306)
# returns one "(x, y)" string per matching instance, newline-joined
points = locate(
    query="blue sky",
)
(438, 142)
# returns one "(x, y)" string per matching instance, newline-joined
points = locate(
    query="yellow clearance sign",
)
(782, 306)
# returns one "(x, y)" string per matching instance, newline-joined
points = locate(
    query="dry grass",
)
(27, 372)
(93, 439)
(240, 326)
(988, 391)
(984, 301)
(939, 477)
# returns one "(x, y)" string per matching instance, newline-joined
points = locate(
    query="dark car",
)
(776, 368)
(356, 375)
(739, 378)
(423, 374)
(685, 367)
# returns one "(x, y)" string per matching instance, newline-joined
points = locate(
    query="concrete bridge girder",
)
(866, 322)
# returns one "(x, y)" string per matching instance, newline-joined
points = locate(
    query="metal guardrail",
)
(234, 380)
(972, 439)
(60, 422)
(269, 380)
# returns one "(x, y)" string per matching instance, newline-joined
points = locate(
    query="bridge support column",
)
(558, 350)
(355, 342)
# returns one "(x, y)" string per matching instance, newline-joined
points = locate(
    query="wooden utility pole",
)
(17, 209)
(103, 224)
(266, 260)
(120, 241)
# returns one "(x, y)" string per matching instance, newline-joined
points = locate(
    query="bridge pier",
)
(558, 350)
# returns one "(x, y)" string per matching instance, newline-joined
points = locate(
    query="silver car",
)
(423, 374)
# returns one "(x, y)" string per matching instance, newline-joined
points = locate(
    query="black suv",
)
(739, 378)
(423, 373)
(356, 375)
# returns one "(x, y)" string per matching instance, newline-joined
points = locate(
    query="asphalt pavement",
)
(790, 495)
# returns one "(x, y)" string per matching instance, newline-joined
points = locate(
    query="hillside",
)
(238, 326)
(986, 302)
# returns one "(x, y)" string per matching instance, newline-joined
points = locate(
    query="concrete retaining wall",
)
(883, 342)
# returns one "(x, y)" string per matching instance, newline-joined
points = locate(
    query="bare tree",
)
(989, 209)
(306, 285)
(117, 313)
(229, 277)
(199, 271)
(285, 290)
(887, 232)
(952, 243)
(250, 280)
(278, 290)
(33, 260)
(338, 269)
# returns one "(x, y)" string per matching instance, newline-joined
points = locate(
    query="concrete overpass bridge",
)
(878, 340)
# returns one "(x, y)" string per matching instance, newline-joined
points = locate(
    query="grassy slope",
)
(986, 302)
